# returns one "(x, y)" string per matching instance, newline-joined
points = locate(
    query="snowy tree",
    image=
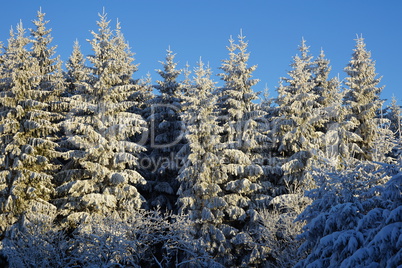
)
(243, 188)
(339, 142)
(354, 220)
(326, 88)
(50, 73)
(166, 137)
(101, 172)
(27, 131)
(77, 72)
(394, 114)
(201, 176)
(296, 135)
(363, 101)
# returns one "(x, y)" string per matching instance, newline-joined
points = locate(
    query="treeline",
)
(97, 170)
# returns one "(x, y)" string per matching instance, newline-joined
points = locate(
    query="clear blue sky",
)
(192, 29)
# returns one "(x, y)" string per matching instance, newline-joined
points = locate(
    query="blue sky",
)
(195, 29)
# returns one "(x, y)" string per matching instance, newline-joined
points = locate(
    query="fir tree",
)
(354, 220)
(241, 139)
(77, 72)
(338, 142)
(27, 132)
(298, 117)
(201, 176)
(166, 137)
(363, 101)
(394, 115)
(101, 174)
(50, 73)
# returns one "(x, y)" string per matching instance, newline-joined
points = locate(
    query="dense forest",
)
(99, 169)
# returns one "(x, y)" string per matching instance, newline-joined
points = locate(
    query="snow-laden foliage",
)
(354, 220)
(363, 102)
(77, 75)
(394, 113)
(279, 230)
(226, 172)
(102, 162)
(166, 137)
(50, 73)
(146, 239)
(296, 133)
(27, 149)
(242, 140)
(37, 243)
(201, 177)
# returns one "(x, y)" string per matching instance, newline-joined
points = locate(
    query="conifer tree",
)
(241, 139)
(201, 176)
(363, 101)
(77, 74)
(51, 77)
(394, 115)
(102, 171)
(166, 137)
(298, 117)
(328, 89)
(27, 132)
(338, 142)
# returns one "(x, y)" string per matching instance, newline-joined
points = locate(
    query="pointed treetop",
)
(104, 14)
(304, 49)
(322, 54)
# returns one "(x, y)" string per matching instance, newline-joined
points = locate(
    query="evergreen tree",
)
(338, 142)
(50, 73)
(355, 219)
(27, 130)
(394, 116)
(295, 127)
(101, 174)
(201, 176)
(363, 101)
(242, 188)
(328, 91)
(166, 137)
(77, 72)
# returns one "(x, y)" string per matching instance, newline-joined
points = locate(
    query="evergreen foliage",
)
(201, 177)
(296, 126)
(243, 188)
(101, 172)
(77, 75)
(98, 171)
(350, 223)
(363, 101)
(27, 128)
(166, 137)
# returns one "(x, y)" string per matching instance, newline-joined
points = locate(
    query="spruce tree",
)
(200, 193)
(364, 103)
(77, 74)
(338, 142)
(241, 139)
(393, 113)
(298, 117)
(50, 73)
(166, 137)
(27, 130)
(101, 174)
